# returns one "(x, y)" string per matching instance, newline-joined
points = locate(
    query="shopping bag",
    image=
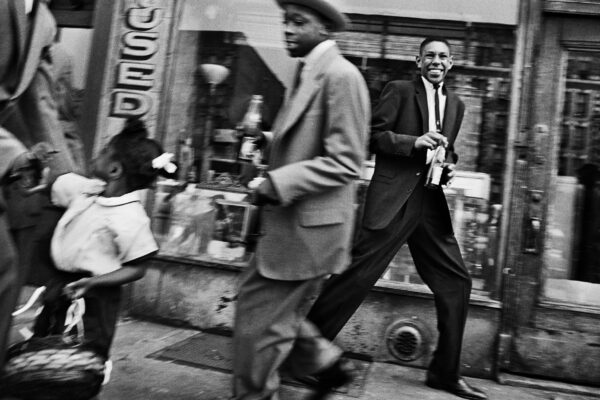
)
(56, 366)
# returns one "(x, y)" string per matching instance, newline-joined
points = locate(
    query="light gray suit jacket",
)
(317, 151)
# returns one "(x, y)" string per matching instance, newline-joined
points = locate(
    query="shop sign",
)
(137, 77)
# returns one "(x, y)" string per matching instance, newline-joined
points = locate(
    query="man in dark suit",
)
(315, 155)
(399, 209)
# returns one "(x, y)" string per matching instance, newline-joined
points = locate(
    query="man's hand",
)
(255, 183)
(265, 193)
(430, 140)
(448, 174)
(31, 170)
(77, 289)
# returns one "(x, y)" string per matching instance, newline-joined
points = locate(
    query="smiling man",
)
(410, 120)
(316, 152)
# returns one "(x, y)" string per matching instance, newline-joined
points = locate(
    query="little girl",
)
(104, 233)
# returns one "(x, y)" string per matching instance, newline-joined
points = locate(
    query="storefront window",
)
(572, 248)
(225, 52)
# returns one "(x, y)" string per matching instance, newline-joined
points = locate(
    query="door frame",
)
(540, 337)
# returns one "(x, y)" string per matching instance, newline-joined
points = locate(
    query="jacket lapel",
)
(43, 32)
(421, 96)
(309, 86)
(450, 115)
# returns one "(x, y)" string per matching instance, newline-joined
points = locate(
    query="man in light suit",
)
(307, 219)
(399, 209)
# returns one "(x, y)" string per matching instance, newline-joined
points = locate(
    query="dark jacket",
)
(400, 117)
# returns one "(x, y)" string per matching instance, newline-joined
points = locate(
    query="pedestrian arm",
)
(344, 137)
(129, 272)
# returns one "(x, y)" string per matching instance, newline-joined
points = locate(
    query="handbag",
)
(56, 366)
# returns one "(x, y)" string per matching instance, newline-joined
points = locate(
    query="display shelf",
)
(206, 261)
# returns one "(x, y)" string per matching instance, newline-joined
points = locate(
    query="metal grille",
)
(407, 339)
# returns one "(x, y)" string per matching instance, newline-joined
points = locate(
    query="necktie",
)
(298, 77)
(438, 120)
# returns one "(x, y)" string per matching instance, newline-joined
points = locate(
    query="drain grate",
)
(214, 351)
(407, 339)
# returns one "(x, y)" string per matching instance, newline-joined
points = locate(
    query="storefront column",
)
(128, 68)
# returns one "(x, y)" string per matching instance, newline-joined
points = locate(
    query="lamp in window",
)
(214, 74)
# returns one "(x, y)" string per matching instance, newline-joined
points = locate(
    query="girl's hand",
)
(77, 289)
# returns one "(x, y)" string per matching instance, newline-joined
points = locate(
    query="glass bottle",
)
(436, 168)
(187, 160)
(248, 127)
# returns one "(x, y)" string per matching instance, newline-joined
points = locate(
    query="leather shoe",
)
(341, 373)
(459, 388)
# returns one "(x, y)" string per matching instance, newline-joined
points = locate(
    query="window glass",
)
(227, 51)
(572, 247)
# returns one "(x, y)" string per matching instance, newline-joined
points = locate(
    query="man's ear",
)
(450, 62)
(325, 30)
(418, 61)
(115, 170)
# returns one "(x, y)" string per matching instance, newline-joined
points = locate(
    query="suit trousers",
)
(424, 223)
(9, 284)
(271, 332)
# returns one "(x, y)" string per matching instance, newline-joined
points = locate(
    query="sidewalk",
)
(137, 375)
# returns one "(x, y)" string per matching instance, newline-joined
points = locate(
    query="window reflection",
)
(572, 248)
(245, 37)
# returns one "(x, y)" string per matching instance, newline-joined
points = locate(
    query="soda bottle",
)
(436, 168)
(248, 127)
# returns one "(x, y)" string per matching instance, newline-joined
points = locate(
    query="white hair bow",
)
(164, 162)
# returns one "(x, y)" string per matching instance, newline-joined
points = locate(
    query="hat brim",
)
(338, 19)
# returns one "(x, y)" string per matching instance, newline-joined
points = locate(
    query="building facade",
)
(524, 206)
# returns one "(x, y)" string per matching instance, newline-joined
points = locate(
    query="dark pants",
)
(423, 223)
(9, 284)
(102, 306)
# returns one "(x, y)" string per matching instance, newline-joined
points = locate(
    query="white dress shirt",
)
(431, 109)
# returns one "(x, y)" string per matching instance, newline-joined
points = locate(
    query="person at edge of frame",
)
(314, 155)
(18, 165)
(399, 209)
(27, 29)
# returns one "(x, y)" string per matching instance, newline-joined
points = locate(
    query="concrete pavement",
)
(136, 376)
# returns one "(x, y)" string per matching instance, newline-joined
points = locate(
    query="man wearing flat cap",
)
(315, 153)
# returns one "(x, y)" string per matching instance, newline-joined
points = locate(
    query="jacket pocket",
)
(385, 177)
(321, 218)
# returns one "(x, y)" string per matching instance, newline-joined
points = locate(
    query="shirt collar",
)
(429, 86)
(118, 201)
(316, 53)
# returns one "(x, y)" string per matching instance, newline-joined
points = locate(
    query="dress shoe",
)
(339, 374)
(459, 388)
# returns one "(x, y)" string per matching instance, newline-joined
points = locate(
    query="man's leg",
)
(343, 294)
(439, 263)
(270, 315)
(9, 288)
(311, 352)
